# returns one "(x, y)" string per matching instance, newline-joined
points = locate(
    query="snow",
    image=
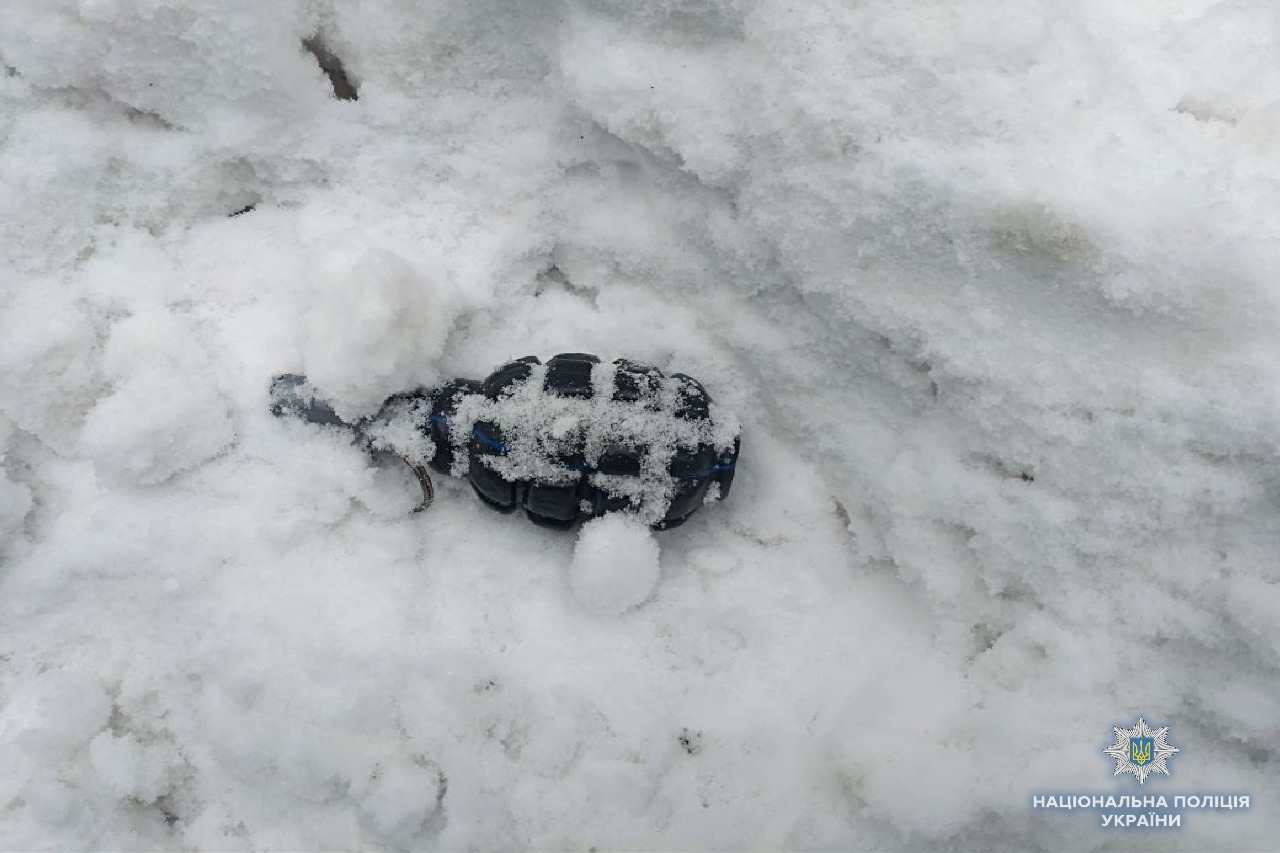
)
(400, 799)
(363, 344)
(161, 416)
(991, 287)
(615, 564)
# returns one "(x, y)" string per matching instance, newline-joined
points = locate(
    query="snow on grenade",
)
(564, 441)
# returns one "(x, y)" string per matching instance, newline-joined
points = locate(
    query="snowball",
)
(615, 564)
(376, 325)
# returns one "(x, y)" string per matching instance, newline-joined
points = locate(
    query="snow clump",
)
(375, 326)
(615, 564)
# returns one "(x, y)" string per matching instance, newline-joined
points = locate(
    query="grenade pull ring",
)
(293, 396)
(424, 480)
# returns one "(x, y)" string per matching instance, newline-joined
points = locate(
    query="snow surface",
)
(992, 286)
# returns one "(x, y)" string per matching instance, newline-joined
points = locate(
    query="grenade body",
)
(594, 476)
(567, 440)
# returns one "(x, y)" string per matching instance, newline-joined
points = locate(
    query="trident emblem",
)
(1139, 750)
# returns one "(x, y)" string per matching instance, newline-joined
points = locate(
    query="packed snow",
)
(615, 564)
(992, 287)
